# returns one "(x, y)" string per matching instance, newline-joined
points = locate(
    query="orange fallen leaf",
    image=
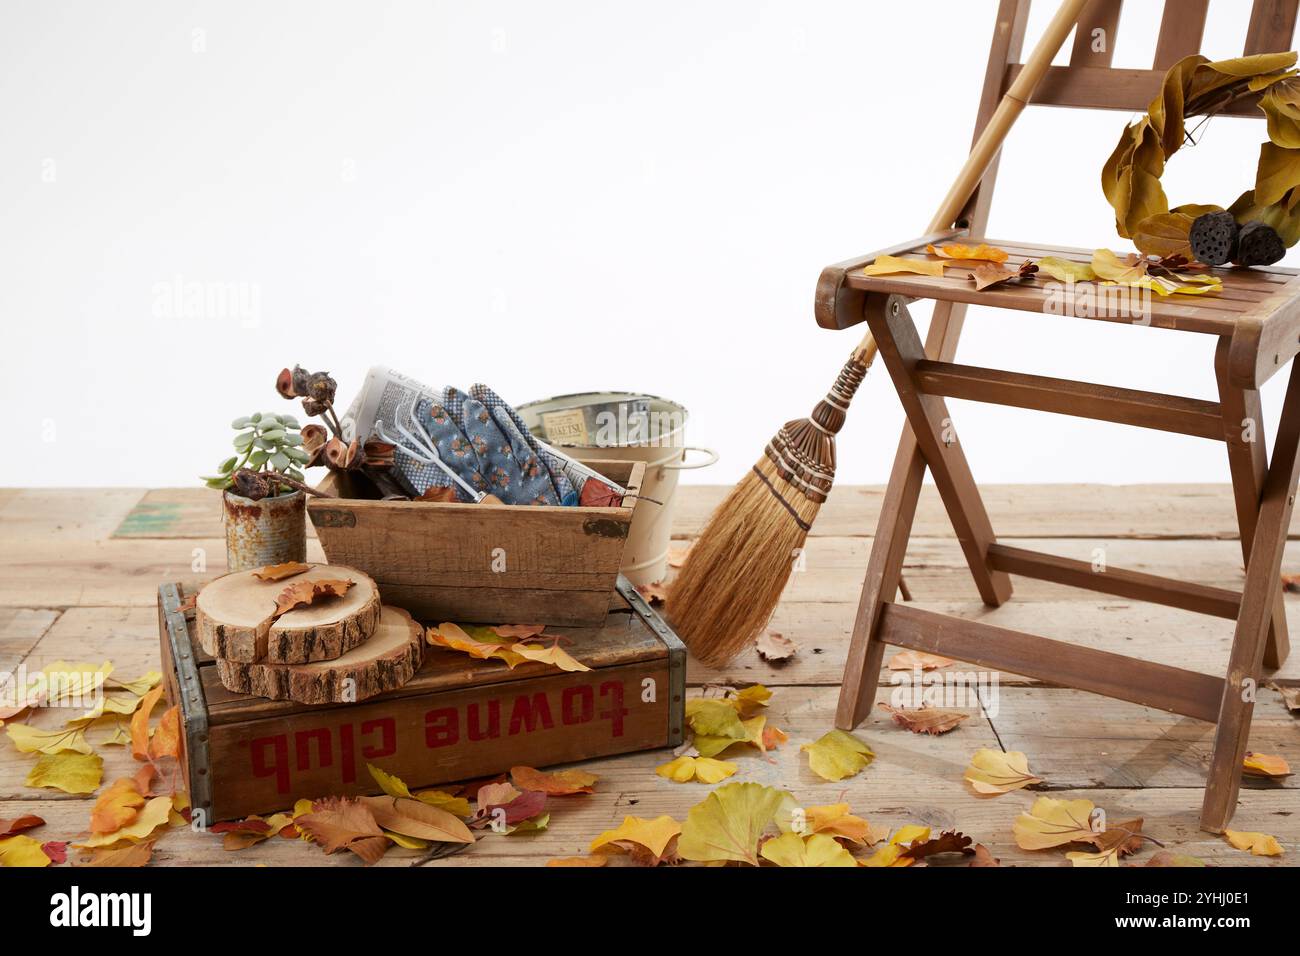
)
(554, 655)
(306, 593)
(896, 265)
(116, 807)
(918, 660)
(559, 784)
(773, 737)
(1265, 765)
(140, 724)
(18, 825)
(133, 855)
(980, 253)
(650, 842)
(278, 572)
(835, 820)
(925, 720)
(166, 740)
(1259, 844)
(983, 857)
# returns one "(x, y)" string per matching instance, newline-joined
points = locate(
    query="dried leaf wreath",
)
(1264, 222)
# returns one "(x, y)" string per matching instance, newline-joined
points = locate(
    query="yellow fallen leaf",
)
(890, 855)
(155, 813)
(981, 253)
(595, 859)
(140, 724)
(711, 717)
(31, 740)
(1265, 765)
(395, 787)
(1052, 823)
(755, 729)
(1063, 270)
(75, 680)
(996, 771)
(817, 849)
(1107, 265)
(554, 655)
(893, 265)
(728, 824)
(406, 842)
(481, 643)
(69, 772)
(1259, 844)
(1106, 858)
(22, 851)
(704, 769)
(655, 837)
(750, 700)
(836, 755)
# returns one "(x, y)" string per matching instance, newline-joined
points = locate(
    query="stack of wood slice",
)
(312, 633)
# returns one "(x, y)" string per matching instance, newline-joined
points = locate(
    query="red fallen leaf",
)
(18, 825)
(515, 809)
(597, 494)
(278, 572)
(56, 850)
(305, 593)
(949, 841)
(241, 826)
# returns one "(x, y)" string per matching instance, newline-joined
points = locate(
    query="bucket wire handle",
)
(713, 457)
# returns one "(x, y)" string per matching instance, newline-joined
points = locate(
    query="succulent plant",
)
(266, 443)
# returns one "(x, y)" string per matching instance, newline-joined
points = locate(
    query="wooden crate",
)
(483, 563)
(457, 719)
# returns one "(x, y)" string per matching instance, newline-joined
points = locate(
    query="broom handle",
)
(995, 133)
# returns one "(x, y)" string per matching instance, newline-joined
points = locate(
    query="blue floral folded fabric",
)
(513, 425)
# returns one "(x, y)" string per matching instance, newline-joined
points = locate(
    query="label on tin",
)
(567, 427)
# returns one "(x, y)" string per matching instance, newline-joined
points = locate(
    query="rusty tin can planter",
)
(270, 531)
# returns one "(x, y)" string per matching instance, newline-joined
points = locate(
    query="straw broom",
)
(735, 573)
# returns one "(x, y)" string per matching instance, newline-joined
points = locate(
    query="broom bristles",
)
(735, 573)
(733, 577)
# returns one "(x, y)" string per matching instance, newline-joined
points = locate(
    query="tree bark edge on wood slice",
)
(385, 662)
(233, 616)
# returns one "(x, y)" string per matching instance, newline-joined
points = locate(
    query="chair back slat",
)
(1181, 31)
(1091, 82)
(1090, 47)
(1272, 26)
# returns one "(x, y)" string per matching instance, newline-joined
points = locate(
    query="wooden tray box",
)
(488, 564)
(458, 718)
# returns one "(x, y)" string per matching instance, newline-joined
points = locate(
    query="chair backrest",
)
(1090, 82)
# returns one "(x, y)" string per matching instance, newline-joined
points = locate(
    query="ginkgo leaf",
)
(554, 655)
(69, 772)
(1165, 858)
(980, 253)
(925, 720)
(1265, 765)
(656, 838)
(1259, 844)
(893, 854)
(79, 680)
(31, 740)
(817, 849)
(894, 265)
(995, 771)
(1051, 822)
(755, 729)
(22, 851)
(558, 784)
(704, 769)
(836, 821)
(1105, 858)
(1063, 270)
(154, 814)
(918, 660)
(837, 755)
(750, 700)
(728, 824)
(711, 717)
(116, 807)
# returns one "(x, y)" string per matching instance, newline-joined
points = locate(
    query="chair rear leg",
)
(1263, 583)
(1243, 427)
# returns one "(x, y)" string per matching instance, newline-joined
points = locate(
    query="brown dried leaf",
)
(336, 824)
(1290, 696)
(305, 593)
(18, 825)
(949, 841)
(918, 660)
(133, 855)
(983, 857)
(775, 648)
(439, 494)
(278, 572)
(991, 274)
(1122, 838)
(656, 593)
(925, 720)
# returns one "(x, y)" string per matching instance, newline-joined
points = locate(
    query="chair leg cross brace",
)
(1265, 498)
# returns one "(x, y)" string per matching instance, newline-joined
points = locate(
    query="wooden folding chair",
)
(1257, 322)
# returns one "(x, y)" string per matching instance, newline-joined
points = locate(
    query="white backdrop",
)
(548, 197)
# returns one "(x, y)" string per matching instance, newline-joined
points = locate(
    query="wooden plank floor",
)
(79, 570)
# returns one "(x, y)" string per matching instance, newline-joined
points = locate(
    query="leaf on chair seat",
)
(894, 265)
(980, 253)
